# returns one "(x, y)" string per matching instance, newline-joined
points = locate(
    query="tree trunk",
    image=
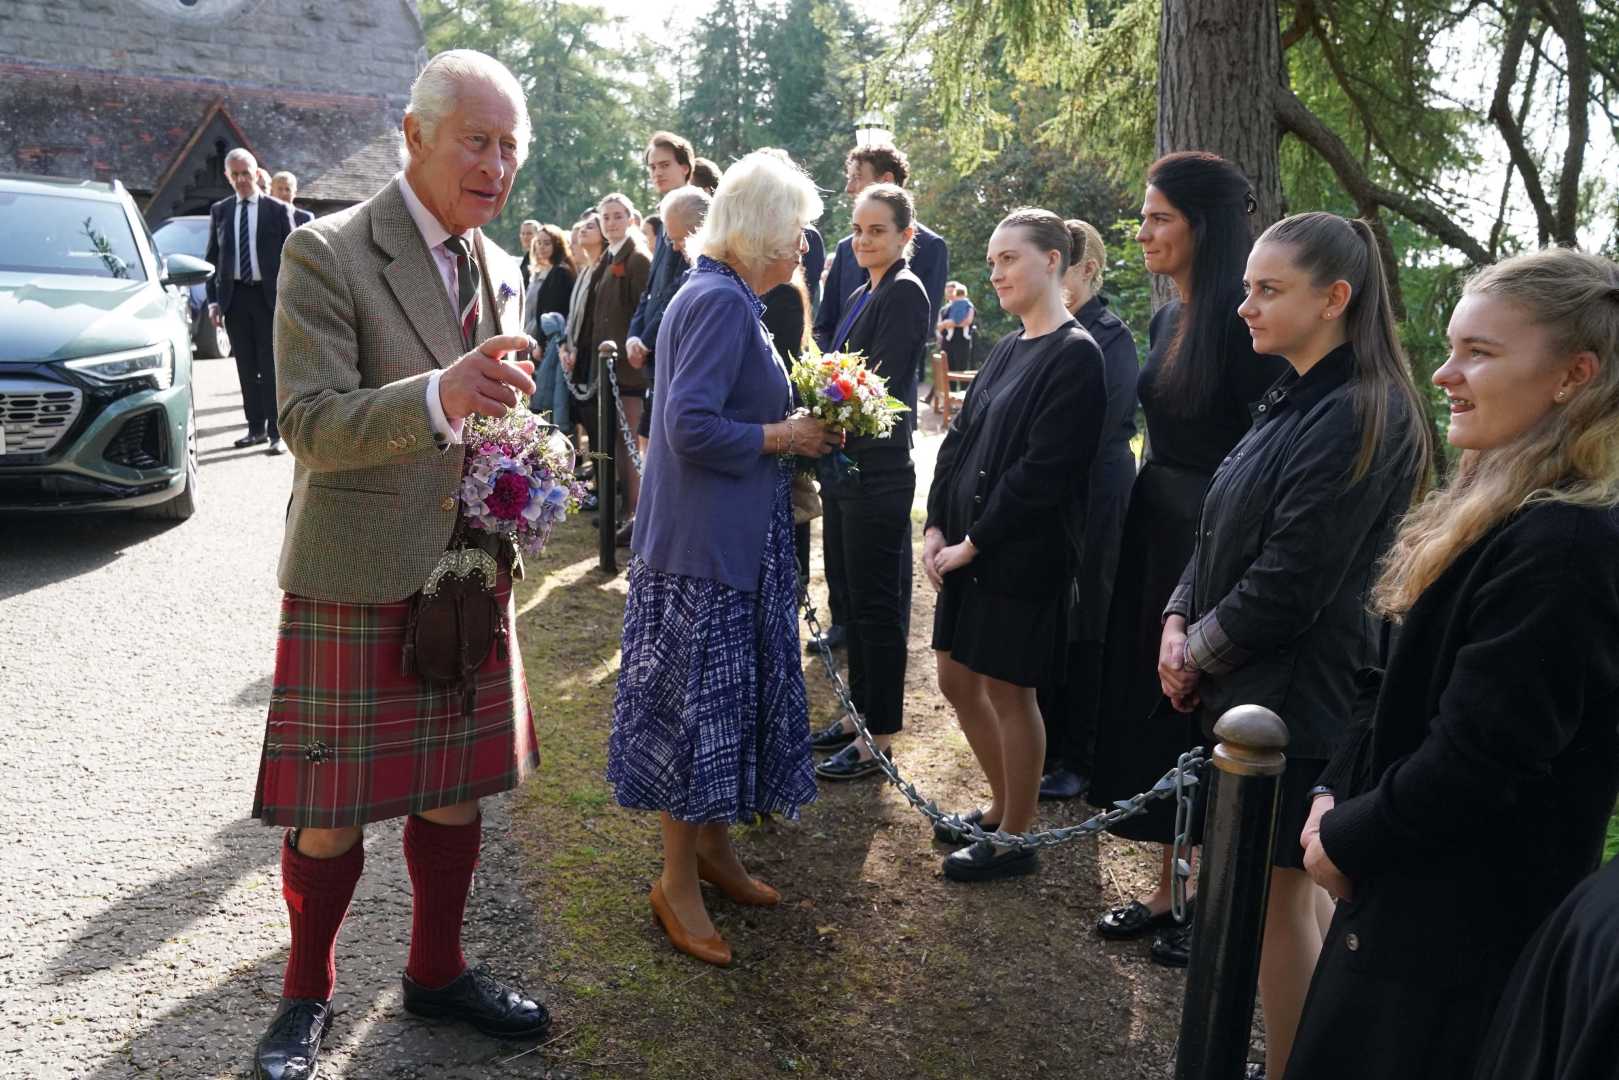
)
(1218, 61)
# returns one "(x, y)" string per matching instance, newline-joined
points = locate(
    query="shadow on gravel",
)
(212, 1032)
(141, 922)
(37, 550)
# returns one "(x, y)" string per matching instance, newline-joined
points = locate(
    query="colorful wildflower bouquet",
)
(843, 393)
(519, 478)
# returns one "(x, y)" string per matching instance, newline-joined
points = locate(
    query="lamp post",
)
(871, 129)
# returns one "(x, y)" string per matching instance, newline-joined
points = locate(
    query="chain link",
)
(606, 364)
(1177, 783)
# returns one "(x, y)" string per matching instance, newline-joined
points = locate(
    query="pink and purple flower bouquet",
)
(519, 478)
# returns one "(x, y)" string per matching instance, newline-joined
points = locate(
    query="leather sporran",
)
(455, 622)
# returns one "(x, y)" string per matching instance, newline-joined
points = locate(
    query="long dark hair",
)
(561, 253)
(1216, 200)
(1330, 248)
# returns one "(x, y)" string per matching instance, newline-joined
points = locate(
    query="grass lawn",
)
(874, 966)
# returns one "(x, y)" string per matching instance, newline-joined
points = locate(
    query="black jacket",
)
(556, 293)
(1479, 793)
(892, 331)
(1275, 594)
(275, 225)
(1011, 475)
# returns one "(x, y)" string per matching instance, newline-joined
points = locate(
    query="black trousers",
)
(251, 326)
(1069, 710)
(871, 535)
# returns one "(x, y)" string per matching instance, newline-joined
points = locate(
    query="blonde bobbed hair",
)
(1570, 456)
(759, 212)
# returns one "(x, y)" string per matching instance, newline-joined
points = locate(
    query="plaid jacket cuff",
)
(1180, 602)
(1210, 650)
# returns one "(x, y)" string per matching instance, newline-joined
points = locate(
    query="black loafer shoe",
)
(290, 1046)
(1135, 919)
(1173, 947)
(847, 764)
(1062, 784)
(950, 831)
(275, 448)
(250, 440)
(835, 637)
(483, 1001)
(979, 861)
(833, 738)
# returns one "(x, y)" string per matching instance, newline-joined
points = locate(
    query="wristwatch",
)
(1321, 789)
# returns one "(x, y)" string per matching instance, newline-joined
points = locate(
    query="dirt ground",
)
(875, 965)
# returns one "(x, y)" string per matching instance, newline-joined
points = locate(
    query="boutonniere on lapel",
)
(506, 291)
(619, 269)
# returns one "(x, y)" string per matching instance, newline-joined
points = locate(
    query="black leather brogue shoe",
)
(290, 1046)
(480, 999)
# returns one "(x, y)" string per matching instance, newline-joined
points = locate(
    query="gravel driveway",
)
(142, 931)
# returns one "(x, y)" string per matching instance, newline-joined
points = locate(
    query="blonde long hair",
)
(1570, 456)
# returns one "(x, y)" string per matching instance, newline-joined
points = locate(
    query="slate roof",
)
(99, 125)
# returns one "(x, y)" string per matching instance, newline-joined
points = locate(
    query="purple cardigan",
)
(706, 495)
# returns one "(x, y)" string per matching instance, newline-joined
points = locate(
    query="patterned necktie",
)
(244, 245)
(468, 282)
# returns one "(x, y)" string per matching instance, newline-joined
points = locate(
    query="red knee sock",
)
(440, 859)
(318, 892)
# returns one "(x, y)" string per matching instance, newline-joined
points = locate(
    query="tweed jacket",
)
(362, 322)
(617, 287)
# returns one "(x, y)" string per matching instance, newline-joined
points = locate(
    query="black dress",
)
(1069, 708)
(1012, 473)
(1138, 735)
(1474, 801)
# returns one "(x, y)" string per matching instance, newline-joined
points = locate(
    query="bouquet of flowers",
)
(519, 478)
(843, 393)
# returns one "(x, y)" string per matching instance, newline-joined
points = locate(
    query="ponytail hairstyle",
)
(1044, 230)
(1570, 456)
(899, 203)
(1085, 242)
(1330, 248)
(1216, 200)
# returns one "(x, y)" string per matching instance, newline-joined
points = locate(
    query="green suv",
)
(96, 409)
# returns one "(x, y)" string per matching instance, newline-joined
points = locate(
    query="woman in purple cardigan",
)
(710, 723)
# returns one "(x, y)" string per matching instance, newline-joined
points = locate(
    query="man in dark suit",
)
(245, 235)
(284, 186)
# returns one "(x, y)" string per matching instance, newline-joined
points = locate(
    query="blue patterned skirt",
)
(710, 721)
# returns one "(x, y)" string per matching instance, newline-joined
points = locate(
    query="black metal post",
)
(1233, 883)
(606, 480)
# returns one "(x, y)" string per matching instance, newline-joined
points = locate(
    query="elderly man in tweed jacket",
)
(393, 324)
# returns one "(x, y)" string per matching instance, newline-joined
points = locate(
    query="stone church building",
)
(154, 93)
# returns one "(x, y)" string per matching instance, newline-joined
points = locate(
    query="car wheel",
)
(183, 505)
(212, 342)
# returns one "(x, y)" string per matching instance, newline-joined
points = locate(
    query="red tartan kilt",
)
(353, 738)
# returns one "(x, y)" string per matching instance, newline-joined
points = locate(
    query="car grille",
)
(36, 415)
(140, 443)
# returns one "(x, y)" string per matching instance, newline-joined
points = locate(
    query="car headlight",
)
(154, 362)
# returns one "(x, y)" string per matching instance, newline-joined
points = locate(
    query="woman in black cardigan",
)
(1008, 494)
(1478, 794)
(1272, 607)
(867, 512)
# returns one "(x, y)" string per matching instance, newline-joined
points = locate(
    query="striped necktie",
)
(244, 245)
(467, 281)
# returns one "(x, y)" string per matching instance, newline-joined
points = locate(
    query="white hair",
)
(759, 212)
(691, 203)
(241, 153)
(434, 93)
